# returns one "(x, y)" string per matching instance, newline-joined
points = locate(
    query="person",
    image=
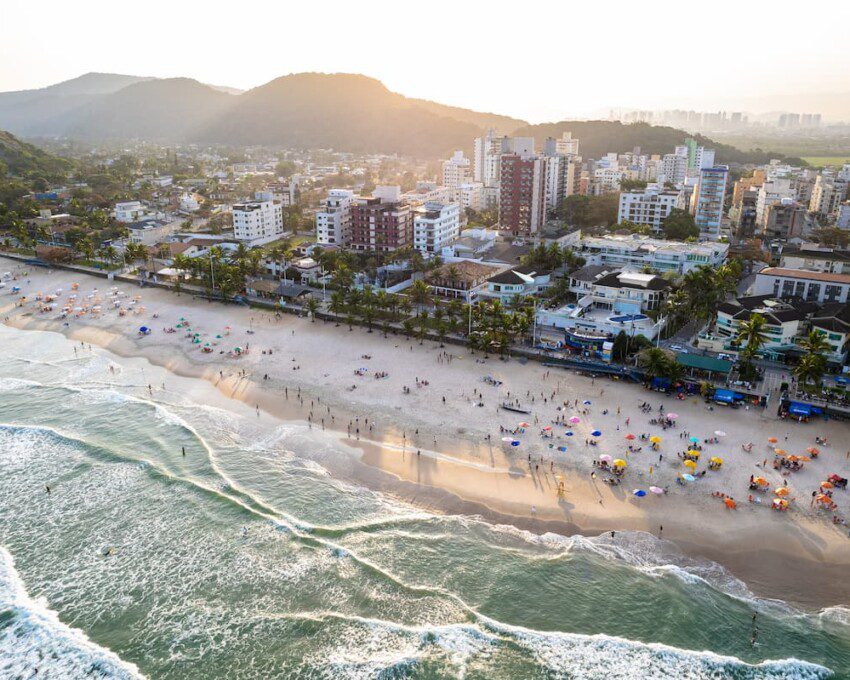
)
(184, 450)
(660, 529)
(48, 489)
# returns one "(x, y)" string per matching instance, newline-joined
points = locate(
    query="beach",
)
(420, 433)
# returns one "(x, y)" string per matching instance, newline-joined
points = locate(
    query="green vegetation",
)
(589, 211)
(680, 226)
(659, 363)
(826, 161)
(753, 336)
(700, 292)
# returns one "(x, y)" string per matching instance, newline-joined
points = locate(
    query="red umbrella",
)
(630, 437)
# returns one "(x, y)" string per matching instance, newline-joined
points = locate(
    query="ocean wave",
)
(33, 639)
(9, 384)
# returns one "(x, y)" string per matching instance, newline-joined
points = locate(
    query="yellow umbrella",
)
(690, 464)
(717, 459)
(620, 463)
(655, 439)
(779, 452)
(781, 491)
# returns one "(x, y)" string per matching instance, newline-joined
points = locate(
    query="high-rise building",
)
(708, 201)
(258, 222)
(333, 220)
(522, 193)
(456, 170)
(674, 166)
(828, 193)
(435, 226)
(783, 220)
(380, 223)
(649, 206)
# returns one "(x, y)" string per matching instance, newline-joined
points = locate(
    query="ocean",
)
(246, 558)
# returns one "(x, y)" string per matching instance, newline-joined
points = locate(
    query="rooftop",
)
(805, 275)
(633, 280)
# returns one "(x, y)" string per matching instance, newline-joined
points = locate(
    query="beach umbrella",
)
(780, 503)
(781, 491)
(813, 450)
(729, 503)
(547, 428)
(779, 452)
(720, 433)
(772, 440)
(620, 463)
(523, 425)
(218, 337)
(672, 416)
(515, 442)
(575, 419)
(143, 329)
(569, 433)
(605, 458)
(823, 498)
(587, 402)
(827, 485)
(694, 440)
(640, 493)
(507, 439)
(562, 449)
(657, 490)
(655, 439)
(689, 478)
(794, 458)
(630, 437)
(761, 481)
(596, 433)
(717, 460)
(690, 464)
(693, 453)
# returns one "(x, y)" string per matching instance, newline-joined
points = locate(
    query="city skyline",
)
(523, 73)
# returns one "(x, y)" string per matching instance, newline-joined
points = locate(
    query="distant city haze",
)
(538, 61)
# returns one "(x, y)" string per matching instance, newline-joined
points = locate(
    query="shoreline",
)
(800, 561)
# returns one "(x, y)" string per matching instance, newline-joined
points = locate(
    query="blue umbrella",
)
(694, 439)
(143, 329)
(562, 448)
(514, 443)
(596, 433)
(640, 493)
(689, 478)
(569, 433)
(587, 402)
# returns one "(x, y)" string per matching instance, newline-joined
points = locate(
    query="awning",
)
(797, 408)
(704, 363)
(727, 396)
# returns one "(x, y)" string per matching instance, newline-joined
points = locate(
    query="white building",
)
(427, 192)
(827, 195)
(333, 220)
(286, 194)
(149, 232)
(486, 152)
(470, 196)
(649, 206)
(820, 287)
(843, 221)
(639, 252)
(456, 171)
(435, 226)
(771, 192)
(130, 211)
(674, 166)
(188, 202)
(258, 222)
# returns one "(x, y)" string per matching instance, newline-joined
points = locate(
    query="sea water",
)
(246, 558)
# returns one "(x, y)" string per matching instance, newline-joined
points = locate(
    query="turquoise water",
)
(247, 559)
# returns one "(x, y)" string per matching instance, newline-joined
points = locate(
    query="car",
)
(679, 348)
(726, 357)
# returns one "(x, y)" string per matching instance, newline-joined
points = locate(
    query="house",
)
(463, 279)
(833, 323)
(785, 321)
(616, 301)
(642, 252)
(149, 232)
(582, 280)
(522, 281)
(275, 290)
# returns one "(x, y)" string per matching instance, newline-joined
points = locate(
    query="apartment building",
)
(381, 223)
(333, 220)
(257, 222)
(522, 194)
(435, 226)
(708, 201)
(812, 286)
(642, 252)
(649, 206)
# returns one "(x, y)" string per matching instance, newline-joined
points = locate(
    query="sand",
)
(794, 555)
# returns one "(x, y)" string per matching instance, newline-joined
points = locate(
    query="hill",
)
(167, 110)
(598, 137)
(340, 111)
(20, 159)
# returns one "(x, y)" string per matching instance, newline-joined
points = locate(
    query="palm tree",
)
(420, 292)
(655, 362)
(407, 324)
(442, 329)
(337, 303)
(815, 343)
(751, 333)
(312, 306)
(811, 368)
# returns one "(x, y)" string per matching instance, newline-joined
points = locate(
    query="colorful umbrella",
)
(640, 493)
(596, 433)
(630, 437)
(656, 490)
(575, 419)
(690, 464)
(587, 402)
(672, 416)
(772, 440)
(655, 439)
(694, 439)
(782, 491)
(605, 458)
(689, 478)
(620, 463)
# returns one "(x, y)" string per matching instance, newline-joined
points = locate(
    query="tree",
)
(658, 363)
(810, 370)
(752, 334)
(312, 306)
(815, 343)
(420, 292)
(679, 225)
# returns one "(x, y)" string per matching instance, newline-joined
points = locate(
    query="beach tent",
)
(796, 408)
(727, 396)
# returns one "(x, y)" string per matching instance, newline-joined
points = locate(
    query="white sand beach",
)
(422, 431)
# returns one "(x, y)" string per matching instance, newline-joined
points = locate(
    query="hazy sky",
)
(535, 60)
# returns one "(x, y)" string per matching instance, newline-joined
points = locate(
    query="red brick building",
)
(522, 194)
(380, 227)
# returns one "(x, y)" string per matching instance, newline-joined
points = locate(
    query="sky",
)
(535, 60)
